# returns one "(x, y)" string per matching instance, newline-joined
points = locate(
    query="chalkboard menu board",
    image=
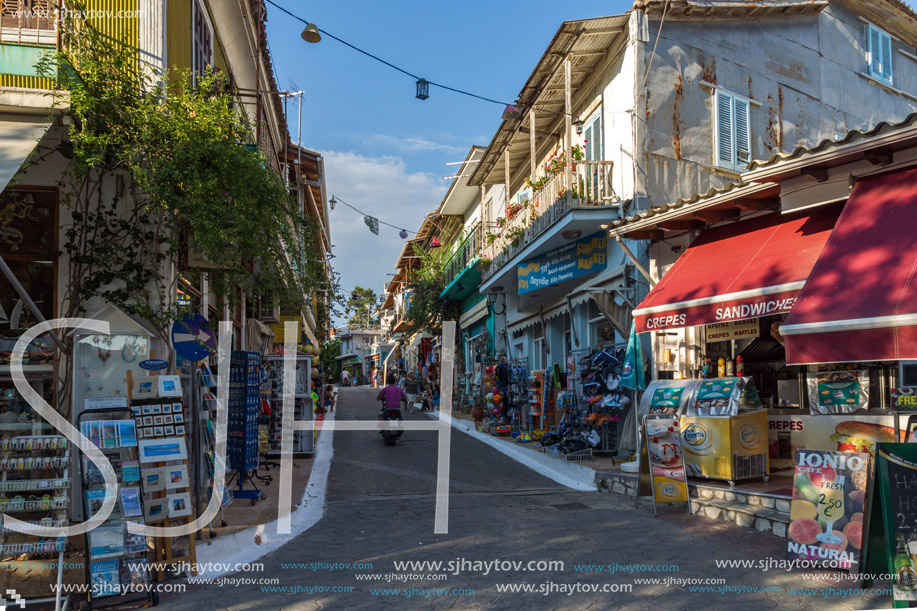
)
(897, 509)
(826, 514)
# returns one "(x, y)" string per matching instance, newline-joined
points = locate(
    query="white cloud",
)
(413, 144)
(382, 187)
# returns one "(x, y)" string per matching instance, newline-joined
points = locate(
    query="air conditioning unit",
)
(269, 311)
(907, 373)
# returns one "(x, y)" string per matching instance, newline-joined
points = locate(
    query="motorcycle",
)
(390, 424)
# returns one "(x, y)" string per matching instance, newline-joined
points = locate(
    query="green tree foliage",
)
(158, 168)
(425, 285)
(361, 307)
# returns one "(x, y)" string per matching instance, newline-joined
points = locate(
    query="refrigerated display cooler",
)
(723, 425)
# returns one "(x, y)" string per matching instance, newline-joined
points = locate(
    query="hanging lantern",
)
(511, 112)
(403, 234)
(423, 89)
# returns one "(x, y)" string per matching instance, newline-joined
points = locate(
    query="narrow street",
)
(380, 511)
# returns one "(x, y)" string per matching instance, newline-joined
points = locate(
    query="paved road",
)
(380, 511)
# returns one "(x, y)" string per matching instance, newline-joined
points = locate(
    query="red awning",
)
(860, 302)
(745, 270)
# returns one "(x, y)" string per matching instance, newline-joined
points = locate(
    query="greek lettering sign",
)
(576, 259)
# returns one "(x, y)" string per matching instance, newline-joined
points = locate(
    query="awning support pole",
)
(28, 301)
(635, 261)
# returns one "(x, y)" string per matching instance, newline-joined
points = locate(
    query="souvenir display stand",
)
(34, 468)
(207, 388)
(303, 441)
(164, 472)
(115, 558)
(242, 435)
(35, 487)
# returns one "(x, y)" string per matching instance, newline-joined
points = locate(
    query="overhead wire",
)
(381, 222)
(402, 70)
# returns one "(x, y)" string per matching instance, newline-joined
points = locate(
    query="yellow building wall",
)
(178, 34)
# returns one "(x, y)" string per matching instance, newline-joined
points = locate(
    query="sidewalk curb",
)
(240, 547)
(571, 475)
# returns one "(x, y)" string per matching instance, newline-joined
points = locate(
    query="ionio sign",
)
(839, 460)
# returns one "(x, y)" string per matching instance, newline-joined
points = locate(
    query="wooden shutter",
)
(886, 56)
(594, 137)
(725, 151)
(742, 135)
(880, 54)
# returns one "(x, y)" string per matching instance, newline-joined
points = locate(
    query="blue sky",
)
(385, 150)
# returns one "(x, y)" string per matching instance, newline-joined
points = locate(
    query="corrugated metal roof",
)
(735, 189)
(853, 136)
(731, 9)
(587, 41)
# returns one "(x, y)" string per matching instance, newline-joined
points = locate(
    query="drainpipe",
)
(635, 261)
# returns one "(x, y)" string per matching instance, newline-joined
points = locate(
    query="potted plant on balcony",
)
(484, 264)
(516, 235)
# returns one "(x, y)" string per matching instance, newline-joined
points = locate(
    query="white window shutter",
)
(742, 135)
(725, 150)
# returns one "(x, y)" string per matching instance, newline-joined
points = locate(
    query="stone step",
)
(762, 511)
(749, 516)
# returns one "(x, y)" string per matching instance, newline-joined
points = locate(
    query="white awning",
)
(19, 135)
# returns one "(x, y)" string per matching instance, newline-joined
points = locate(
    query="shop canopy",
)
(860, 302)
(744, 270)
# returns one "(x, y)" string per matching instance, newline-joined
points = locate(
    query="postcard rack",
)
(116, 560)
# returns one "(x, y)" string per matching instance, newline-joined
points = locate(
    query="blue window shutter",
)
(879, 45)
(887, 57)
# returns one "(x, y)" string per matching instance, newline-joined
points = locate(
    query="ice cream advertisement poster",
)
(826, 513)
(666, 457)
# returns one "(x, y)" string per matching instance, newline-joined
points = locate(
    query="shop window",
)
(538, 354)
(732, 138)
(879, 54)
(202, 32)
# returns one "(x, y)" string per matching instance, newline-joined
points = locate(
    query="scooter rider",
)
(392, 396)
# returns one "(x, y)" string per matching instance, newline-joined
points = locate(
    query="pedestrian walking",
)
(411, 389)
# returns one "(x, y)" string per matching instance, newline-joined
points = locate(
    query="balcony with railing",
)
(28, 32)
(462, 273)
(589, 188)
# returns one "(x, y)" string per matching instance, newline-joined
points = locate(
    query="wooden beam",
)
(757, 204)
(646, 234)
(533, 130)
(878, 157)
(816, 174)
(681, 225)
(714, 216)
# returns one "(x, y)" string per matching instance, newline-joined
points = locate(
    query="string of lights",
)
(422, 83)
